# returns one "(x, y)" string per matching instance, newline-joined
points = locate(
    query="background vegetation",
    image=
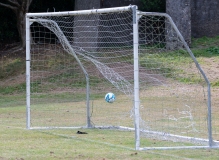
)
(18, 143)
(8, 28)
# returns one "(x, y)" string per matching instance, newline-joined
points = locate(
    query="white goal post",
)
(74, 58)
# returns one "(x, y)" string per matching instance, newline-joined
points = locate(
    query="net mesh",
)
(104, 49)
(173, 93)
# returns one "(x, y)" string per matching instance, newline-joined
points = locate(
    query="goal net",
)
(75, 58)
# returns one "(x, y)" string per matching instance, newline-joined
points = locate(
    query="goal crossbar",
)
(83, 12)
(141, 43)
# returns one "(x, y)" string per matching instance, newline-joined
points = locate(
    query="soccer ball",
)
(110, 97)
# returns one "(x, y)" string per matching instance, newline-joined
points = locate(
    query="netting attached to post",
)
(67, 49)
(78, 57)
(175, 103)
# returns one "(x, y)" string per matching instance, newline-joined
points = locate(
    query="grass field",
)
(16, 142)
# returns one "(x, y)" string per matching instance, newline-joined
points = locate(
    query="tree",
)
(8, 29)
(20, 8)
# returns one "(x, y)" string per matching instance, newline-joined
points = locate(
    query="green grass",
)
(215, 84)
(12, 100)
(208, 52)
(12, 67)
(171, 64)
(205, 46)
(16, 142)
(205, 42)
(13, 89)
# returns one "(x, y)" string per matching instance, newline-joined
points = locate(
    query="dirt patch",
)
(211, 68)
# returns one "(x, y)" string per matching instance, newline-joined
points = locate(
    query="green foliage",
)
(8, 27)
(13, 89)
(205, 42)
(153, 6)
(12, 67)
(169, 64)
(215, 84)
(200, 53)
(208, 52)
(69, 78)
(205, 46)
(213, 50)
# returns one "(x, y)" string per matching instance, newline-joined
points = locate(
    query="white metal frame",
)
(136, 15)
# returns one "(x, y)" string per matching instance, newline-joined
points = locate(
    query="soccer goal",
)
(74, 58)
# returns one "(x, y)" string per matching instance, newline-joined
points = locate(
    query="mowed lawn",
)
(16, 142)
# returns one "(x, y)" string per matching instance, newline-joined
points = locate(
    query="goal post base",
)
(74, 58)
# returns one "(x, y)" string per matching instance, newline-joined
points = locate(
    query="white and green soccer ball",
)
(110, 97)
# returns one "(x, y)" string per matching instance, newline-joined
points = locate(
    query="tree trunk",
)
(21, 26)
(20, 8)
